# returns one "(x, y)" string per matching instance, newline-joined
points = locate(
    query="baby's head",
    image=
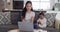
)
(41, 16)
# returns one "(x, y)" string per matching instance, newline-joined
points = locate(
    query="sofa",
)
(9, 19)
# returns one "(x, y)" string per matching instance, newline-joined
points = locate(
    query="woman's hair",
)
(25, 9)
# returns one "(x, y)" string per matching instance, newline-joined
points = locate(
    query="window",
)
(41, 4)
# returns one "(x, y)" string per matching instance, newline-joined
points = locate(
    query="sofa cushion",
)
(5, 18)
(50, 19)
(15, 17)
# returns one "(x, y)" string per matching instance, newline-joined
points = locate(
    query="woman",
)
(28, 14)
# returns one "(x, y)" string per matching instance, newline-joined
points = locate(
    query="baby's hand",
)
(39, 22)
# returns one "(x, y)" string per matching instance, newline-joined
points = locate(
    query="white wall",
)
(11, 6)
(52, 2)
(25, 1)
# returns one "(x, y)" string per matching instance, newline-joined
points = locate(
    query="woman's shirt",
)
(43, 22)
(28, 16)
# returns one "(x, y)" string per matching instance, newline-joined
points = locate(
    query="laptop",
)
(26, 26)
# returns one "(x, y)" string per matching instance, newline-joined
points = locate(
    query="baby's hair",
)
(41, 14)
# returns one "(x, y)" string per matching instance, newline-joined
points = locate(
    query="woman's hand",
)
(23, 19)
(32, 18)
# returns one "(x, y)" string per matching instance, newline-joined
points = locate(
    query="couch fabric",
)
(11, 18)
(50, 19)
(5, 18)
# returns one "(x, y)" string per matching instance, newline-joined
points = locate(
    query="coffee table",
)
(14, 30)
(39, 30)
(35, 30)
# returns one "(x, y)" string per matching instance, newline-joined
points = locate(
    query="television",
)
(18, 4)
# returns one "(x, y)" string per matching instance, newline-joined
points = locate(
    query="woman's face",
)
(29, 6)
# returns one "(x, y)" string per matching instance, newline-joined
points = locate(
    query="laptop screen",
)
(26, 26)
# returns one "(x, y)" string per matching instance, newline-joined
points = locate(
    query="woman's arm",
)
(32, 18)
(23, 19)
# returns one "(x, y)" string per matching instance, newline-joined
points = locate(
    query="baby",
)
(42, 21)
